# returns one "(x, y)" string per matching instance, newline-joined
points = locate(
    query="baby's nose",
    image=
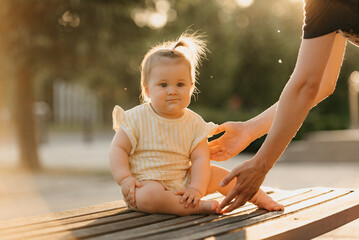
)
(172, 91)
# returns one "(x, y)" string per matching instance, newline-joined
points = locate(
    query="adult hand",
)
(250, 176)
(235, 139)
(128, 189)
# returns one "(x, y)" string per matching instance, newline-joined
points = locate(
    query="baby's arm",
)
(119, 165)
(200, 174)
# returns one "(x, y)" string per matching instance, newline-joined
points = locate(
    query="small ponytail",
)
(196, 49)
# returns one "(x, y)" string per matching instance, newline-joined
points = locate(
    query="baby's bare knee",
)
(148, 199)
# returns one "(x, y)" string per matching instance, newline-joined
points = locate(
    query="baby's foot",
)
(271, 205)
(208, 207)
(262, 200)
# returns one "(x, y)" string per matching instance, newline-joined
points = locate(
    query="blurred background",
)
(64, 64)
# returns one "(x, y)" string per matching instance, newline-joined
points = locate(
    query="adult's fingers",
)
(239, 201)
(228, 178)
(227, 200)
(219, 129)
(219, 156)
(218, 153)
(214, 147)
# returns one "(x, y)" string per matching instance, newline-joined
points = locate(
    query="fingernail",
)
(221, 184)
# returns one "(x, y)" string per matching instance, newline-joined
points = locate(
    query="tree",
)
(44, 39)
(19, 29)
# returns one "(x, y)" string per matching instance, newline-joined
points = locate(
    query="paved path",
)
(77, 175)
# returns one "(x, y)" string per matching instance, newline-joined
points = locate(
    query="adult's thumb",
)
(219, 129)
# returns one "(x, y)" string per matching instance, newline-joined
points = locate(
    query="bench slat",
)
(70, 223)
(311, 222)
(164, 227)
(185, 229)
(4, 224)
(239, 221)
(89, 227)
(96, 227)
(314, 210)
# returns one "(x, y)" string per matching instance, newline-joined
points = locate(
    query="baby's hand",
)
(128, 189)
(190, 195)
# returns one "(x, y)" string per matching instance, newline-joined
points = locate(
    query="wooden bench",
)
(309, 213)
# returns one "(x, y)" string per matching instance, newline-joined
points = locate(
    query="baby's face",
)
(169, 87)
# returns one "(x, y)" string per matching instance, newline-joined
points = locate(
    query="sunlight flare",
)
(244, 3)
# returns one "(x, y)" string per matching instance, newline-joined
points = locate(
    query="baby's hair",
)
(189, 46)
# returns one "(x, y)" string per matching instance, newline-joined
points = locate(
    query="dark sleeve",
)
(325, 16)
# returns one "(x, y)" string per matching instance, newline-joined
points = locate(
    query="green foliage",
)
(252, 53)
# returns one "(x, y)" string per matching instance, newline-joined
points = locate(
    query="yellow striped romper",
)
(161, 147)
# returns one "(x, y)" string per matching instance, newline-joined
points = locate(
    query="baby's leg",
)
(261, 199)
(152, 197)
(217, 175)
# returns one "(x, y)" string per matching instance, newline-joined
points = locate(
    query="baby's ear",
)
(193, 87)
(147, 91)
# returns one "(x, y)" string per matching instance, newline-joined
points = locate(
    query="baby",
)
(159, 154)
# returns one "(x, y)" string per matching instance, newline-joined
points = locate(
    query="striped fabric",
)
(161, 147)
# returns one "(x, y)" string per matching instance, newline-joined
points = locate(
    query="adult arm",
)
(314, 78)
(238, 135)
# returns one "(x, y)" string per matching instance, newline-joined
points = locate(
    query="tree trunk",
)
(24, 118)
(2, 105)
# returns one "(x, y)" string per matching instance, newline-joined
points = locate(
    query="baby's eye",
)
(180, 84)
(163, 84)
